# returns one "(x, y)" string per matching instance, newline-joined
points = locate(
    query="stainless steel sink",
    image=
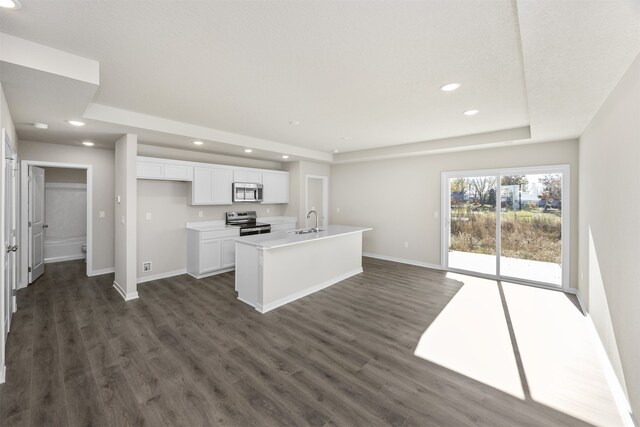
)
(305, 231)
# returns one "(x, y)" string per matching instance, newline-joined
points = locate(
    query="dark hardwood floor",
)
(188, 353)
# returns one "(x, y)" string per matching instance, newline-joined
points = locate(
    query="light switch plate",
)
(148, 216)
(101, 214)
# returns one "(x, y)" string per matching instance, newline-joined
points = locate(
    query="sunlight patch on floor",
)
(550, 358)
(470, 336)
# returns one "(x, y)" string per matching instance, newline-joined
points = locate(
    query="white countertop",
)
(220, 225)
(287, 238)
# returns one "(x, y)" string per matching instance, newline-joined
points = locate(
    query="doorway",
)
(317, 191)
(8, 232)
(70, 196)
(508, 224)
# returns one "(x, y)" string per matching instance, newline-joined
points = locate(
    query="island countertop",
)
(287, 238)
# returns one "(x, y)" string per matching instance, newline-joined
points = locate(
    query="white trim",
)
(290, 298)
(24, 214)
(127, 296)
(63, 258)
(628, 418)
(3, 374)
(325, 197)
(403, 261)
(445, 222)
(162, 275)
(102, 271)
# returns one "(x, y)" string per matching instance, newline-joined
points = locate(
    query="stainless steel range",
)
(247, 223)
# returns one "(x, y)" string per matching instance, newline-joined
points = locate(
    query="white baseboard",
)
(127, 296)
(102, 271)
(162, 275)
(3, 373)
(619, 395)
(63, 258)
(403, 261)
(286, 300)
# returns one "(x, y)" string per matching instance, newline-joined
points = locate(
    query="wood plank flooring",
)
(188, 353)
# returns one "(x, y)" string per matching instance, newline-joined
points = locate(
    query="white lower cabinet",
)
(228, 253)
(211, 252)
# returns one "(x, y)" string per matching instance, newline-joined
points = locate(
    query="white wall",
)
(103, 190)
(610, 228)
(400, 197)
(5, 120)
(65, 175)
(126, 191)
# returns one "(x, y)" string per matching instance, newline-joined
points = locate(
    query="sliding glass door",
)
(507, 224)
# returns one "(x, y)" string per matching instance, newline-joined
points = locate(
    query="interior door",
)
(37, 224)
(9, 253)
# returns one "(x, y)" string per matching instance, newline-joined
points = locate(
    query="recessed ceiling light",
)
(295, 123)
(197, 142)
(88, 143)
(450, 87)
(471, 112)
(346, 138)
(248, 150)
(40, 125)
(10, 4)
(334, 151)
(74, 122)
(284, 156)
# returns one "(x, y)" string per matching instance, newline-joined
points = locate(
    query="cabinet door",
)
(221, 185)
(228, 253)
(210, 255)
(178, 172)
(275, 187)
(149, 170)
(202, 187)
(254, 176)
(247, 176)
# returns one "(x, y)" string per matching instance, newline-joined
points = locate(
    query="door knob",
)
(13, 248)
(45, 226)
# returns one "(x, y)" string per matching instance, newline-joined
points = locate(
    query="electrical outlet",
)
(148, 215)
(435, 214)
(200, 214)
(146, 266)
(406, 244)
(268, 210)
(338, 210)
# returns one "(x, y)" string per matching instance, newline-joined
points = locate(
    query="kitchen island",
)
(277, 268)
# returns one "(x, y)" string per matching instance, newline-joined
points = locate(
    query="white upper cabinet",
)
(275, 187)
(150, 168)
(252, 176)
(211, 186)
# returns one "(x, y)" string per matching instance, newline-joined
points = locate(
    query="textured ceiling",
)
(369, 71)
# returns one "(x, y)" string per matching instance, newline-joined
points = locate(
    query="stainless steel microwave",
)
(246, 192)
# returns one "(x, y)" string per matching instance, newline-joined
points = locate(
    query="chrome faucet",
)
(309, 215)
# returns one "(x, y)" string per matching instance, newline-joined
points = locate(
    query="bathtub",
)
(63, 249)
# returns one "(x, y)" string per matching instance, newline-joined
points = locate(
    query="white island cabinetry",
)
(211, 249)
(277, 268)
